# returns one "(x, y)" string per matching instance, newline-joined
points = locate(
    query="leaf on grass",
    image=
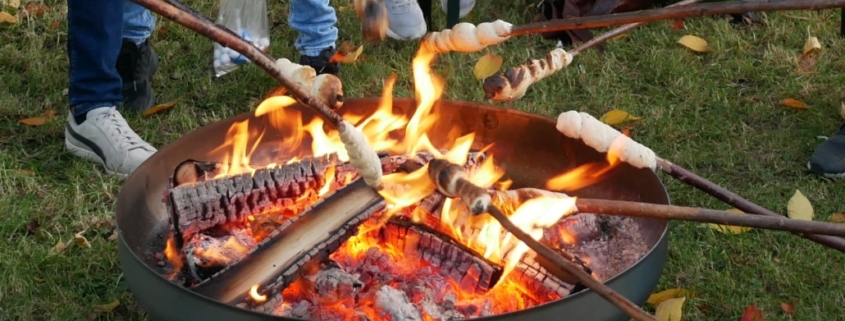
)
(677, 24)
(842, 111)
(5, 17)
(657, 298)
(619, 37)
(50, 113)
(616, 117)
(28, 172)
(799, 207)
(730, 229)
(793, 103)
(59, 248)
(34, 121)
(13, 3)
(694, 43)
(32, 226)
(33, 10)
(113, 236)
(54, 25)
(347, 53)
(811, 46)
(160, 108)
(788, 308)
(106, 308)
(81, 240)
(163, 30)
(670, 310)
(39, 280)
(751, 313)
(487, 65)
(837, 218)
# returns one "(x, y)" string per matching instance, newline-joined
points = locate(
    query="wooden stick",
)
(737, 201)
(704, 9)
(450, 179)
(671, 212)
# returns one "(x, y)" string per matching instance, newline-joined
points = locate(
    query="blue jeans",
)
(315, 21)
(96, 29)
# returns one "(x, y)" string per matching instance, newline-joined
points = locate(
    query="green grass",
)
(717, 114)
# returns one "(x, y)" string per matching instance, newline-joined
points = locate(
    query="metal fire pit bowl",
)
(527, 146)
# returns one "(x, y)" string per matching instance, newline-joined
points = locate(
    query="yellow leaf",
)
(657, 298)
(13, 3)
(59, 248)
(34, 121)
(106, 308)
(81, 240)
(161, 107)
(793, 103)
(619, 37)
(837, 218)
(811, 46)
(487, 65)
(670, 310)
(352, 56)
(694, 43)
(5, 17)
(799, 207)
(616, 117)
(730, 229)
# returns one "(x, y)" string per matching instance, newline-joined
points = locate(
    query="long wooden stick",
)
(704, 9)
(737, 201)
(671, 212)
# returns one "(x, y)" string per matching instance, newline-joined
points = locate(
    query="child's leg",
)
(315, 20)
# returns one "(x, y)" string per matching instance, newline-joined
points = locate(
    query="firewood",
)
(514, 82)
(466, 37)
(326, 87)
(278, 259)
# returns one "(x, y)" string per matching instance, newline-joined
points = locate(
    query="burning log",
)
(314, 234)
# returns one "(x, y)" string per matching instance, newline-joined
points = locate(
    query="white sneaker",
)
(466, 6)
(105, 137)
(406, 20)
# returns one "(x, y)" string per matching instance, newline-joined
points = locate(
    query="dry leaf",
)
(619, 37)
(163, 30)
(788, 308)
(13, 3)
(670, 310)
(59, 248)
(799, 207)
(39, 280)
(347, 53)
(677, 24)
(352, 56)
(837, 218)
(32, 226)
(81, 240)
(694, 43)
(751, 313)
(50, 113)
(26, 172)
(793, 103)
(160, 108)
(5, 17)
(842, 111)
(54, 25)
(811, 46)
(616, 117)
(113, 236)
(106, 308)
(487, 65)
(657, 298)
(34, 121)
(805, 65)
(33, 10)
(730, 229)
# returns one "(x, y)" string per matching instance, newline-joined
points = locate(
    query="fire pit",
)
(526, 148)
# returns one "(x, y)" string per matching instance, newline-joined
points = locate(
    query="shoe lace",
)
(122, 134)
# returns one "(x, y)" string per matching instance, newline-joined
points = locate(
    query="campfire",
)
(299, 237)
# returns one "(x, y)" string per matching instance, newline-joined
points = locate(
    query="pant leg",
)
(138, 22)
(316, 21)
(95, 30)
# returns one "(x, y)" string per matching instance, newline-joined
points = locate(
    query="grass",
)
(717, 114)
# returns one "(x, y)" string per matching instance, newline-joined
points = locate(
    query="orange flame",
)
(586, 174)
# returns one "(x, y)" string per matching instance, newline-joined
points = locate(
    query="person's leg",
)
(316, 21)
(829, 157)
(406, 20)
(95, 130)
(137, 62)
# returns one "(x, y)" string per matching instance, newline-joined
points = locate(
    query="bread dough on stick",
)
(466, 37)
(514, 82)
(605, 139)
(326, 87)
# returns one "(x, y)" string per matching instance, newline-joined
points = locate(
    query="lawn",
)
(717, 114)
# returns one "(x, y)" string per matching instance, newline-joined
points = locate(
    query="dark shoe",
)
(321, 63)
(136, 66)
(829, 158)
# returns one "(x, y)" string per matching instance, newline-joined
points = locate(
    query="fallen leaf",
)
(799, 207)
(811, 46)
(694, 43)
(837, 218)
(788, 308)
(657, 298)
(730, 229)
(59, 248)
(487, 65)
(113, 236)
(616, 117)
(50, 113)
(163, 30)
(106, 308)
(160, 108)
(64, 92)
(751, 313)
(39, 280)
(805, 65)
(33, 10)
(32, 226)
(5, 17)
(54, 25)
(26, 172)
(347, 53)
(619, 37)
(842, 111)
(81, 240)
(34, 121)
(670, 310)
(13, 3)
(677, 24)
(793, 103)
